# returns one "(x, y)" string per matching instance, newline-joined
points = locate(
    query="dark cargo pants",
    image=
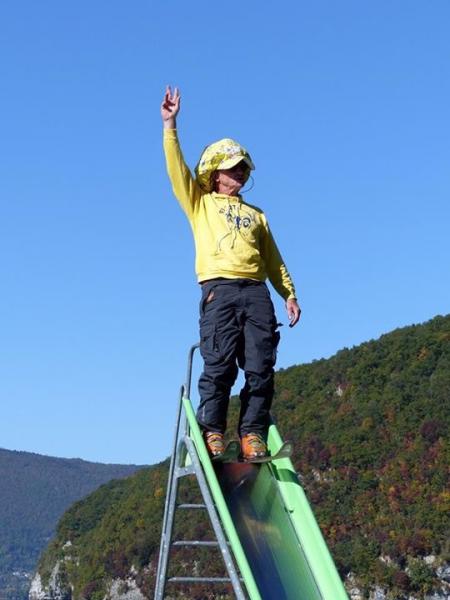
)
(237, 327)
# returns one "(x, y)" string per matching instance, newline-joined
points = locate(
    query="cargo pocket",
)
(209, 348)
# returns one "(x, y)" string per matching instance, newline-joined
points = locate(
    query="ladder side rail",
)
(173, 459)
(169, 509)
(161, 576)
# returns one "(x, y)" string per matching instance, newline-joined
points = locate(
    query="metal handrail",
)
(187, 385)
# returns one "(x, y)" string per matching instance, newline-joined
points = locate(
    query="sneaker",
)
(253, 446)
(214, 442)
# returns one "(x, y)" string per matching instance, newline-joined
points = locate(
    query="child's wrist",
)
(170, 123)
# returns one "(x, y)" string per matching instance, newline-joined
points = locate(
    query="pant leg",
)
(219, 336)
(257, 357)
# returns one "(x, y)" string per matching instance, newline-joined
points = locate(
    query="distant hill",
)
(370, 428)
(35, 491)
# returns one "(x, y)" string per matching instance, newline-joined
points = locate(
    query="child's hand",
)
(170, 107)
(293, 310)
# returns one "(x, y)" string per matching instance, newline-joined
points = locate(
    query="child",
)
(235, 253)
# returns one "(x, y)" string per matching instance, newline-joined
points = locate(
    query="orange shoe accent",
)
(253, 446)
(214, 442)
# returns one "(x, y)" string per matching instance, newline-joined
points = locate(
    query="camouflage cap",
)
(223, 154)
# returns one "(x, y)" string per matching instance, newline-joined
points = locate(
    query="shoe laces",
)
(214, 441)
(254, 439)
(256, 442)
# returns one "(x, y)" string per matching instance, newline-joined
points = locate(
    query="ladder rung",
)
(194, 543)
(191, 506)
(199, 579)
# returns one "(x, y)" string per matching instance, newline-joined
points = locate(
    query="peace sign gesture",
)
(170, 107)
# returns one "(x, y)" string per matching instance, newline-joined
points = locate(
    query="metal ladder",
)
(184, 447)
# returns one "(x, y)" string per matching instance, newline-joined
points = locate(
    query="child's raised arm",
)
(184, 185)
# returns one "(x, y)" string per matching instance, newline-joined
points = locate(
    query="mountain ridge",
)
(35, 491)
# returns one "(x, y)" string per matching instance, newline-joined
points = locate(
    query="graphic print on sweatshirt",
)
(240, 221)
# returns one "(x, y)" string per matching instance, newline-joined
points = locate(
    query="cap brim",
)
(228, 163)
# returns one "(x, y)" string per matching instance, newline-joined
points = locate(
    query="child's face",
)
(230, 181)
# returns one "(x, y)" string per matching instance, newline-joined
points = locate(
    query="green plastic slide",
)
(275, 539)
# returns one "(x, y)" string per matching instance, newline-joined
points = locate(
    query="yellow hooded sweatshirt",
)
(232, 238)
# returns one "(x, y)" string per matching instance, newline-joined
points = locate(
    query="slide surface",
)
(269, 541)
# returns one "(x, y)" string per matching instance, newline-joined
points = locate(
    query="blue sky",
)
(344, 109)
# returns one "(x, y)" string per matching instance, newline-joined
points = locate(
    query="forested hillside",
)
(370, 427)
(35, 491)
